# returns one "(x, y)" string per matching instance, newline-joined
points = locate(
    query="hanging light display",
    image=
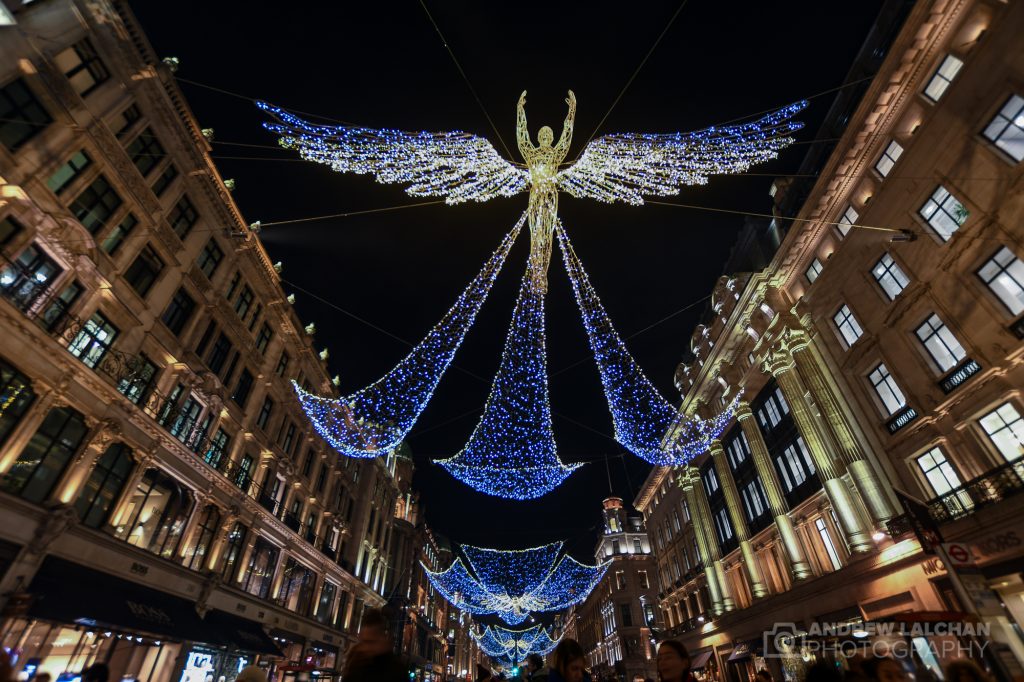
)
(514, 583)
(377, 418)
(645, 423)
(512, 451)
(503, 643)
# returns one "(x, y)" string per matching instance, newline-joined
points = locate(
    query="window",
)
(119, 233)
(627, 615)
(233, 552)
(847, 221)
(826, 540)
(219, 354)
(282, 364)
(22, 117)
(754, 500)
(9, 229)
(219, 443)
(243, 302)
(321, 479)
(233, 285)
(259, 575)
(847, 325)
(164, 180)
(1006, 130)
(255, 316)
(243, 477)
(723, 526)
(145, 151)
(710, 481)
(186, 419)
(65, 175)
(1005, 428)
(139, 382)
(210, 258)
(93, 341)
(326, 603)
(179, 311)
(104, 485)
(263, 338)
(773, 410)
(890, 277)
(638, 547)
(16, 395)
(122, 122)
(265, 411)
(620, 580)
(57, 309)
(82, 67)
(243, 388)
(94, 206)
(144, 270)
(795, 465)
(183, 217)
(1004, 275)
(43, 460)
(889, 158)
(942, 78)
(938, 471)
(944, 213)
(307, 466)
(206, 532)
(642, 579)
(24, 281)
(813, 270)
(887, 390)
(940, 343)
(737, 450)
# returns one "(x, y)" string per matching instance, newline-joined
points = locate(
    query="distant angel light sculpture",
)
(513, 583)
(506, 644)
(463, 167)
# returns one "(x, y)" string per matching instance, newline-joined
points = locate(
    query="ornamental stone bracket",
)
(58, 519)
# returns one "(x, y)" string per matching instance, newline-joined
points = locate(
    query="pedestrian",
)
(252, 673)
(97, 672)
(535, 671)
(483, 674)
(966, 670)
(372, 659)
(673, 662)
(569, 663)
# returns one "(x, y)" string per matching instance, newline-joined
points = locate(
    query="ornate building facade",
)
(166, 507)
(878, 351)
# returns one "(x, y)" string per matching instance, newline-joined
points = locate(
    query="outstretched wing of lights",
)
(511, 452)
(626, 167)
(499, 643)
(377, 418)
(457, 166)
(645, 423)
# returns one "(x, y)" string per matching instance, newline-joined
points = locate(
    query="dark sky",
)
(383, 65)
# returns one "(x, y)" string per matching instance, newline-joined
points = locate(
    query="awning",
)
(66, 592)
(744, 650)
(241, 633)
(700, 660)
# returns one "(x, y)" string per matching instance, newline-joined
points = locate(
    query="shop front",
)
(291, 665)
(745, 660)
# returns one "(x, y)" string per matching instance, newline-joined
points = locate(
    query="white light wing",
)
(457, 166)
(626, 167)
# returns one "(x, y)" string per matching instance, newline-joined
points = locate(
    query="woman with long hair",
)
(569, 664)
(673, 662)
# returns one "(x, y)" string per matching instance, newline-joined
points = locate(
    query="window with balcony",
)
(16, 395)
(939, 473)
(890, 277)
(889, 158)
(57, 310)
(1006, 130)
(889, 394)
(35, 473)
(940, 343)
(210, 258)
(944, 213)
(104, 485)
(943, 77)
(847, 221)
(243, 475)
(144, 270)
(66, 174)
(1005, 429)
(93, 341)
(139, 380)
(22, 117)
(243, 388)
(217, 449)
(826, 540)
(183, 217)
(28, 278)
(96, 204)
(82, 66)
(186, 421)
(146, 151)
(1003, 273)
(847, 325)
(118, 234)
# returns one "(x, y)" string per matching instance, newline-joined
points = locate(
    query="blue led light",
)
(505, 645)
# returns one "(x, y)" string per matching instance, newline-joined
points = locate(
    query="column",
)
(687, 480)
(864, 476)
(120, 509)
(275, 587)
(705, 530)
(27, 427)
(794, 552)
(77, 472)
(739, 523)
(783, 368)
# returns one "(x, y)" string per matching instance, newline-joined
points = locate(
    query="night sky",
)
(383, 65)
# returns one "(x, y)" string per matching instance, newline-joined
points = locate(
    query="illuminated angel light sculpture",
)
(513, 583)
(504, 644)
(511, 453)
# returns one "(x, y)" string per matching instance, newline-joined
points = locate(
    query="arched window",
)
(156, 515)
(206, 531)
(104, 486)
(16, 396)
(44, 459)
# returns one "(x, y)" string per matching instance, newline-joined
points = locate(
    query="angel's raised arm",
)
(566, 139)
(455, 165)
(522, 133)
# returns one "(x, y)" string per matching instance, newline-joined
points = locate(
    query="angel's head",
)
(545, 136)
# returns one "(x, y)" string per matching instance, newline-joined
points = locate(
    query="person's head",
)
(763, 676)
(97, 672)
(966, 670)
(534, 662)
(569, 660)
(885, 670)
(252, 673)
(373, 633)
(545, 136)
(673, 660)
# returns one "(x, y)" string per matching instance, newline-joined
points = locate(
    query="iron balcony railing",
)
(961, 373)
(991, 487)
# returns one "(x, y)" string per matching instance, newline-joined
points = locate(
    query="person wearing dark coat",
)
(569, 663)
(535, 671)
(371, 659)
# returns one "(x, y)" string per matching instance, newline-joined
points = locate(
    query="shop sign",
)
(959, 554)
(998, 545)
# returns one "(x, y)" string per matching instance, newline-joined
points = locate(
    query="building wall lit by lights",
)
(866, 361)
(161, 491)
